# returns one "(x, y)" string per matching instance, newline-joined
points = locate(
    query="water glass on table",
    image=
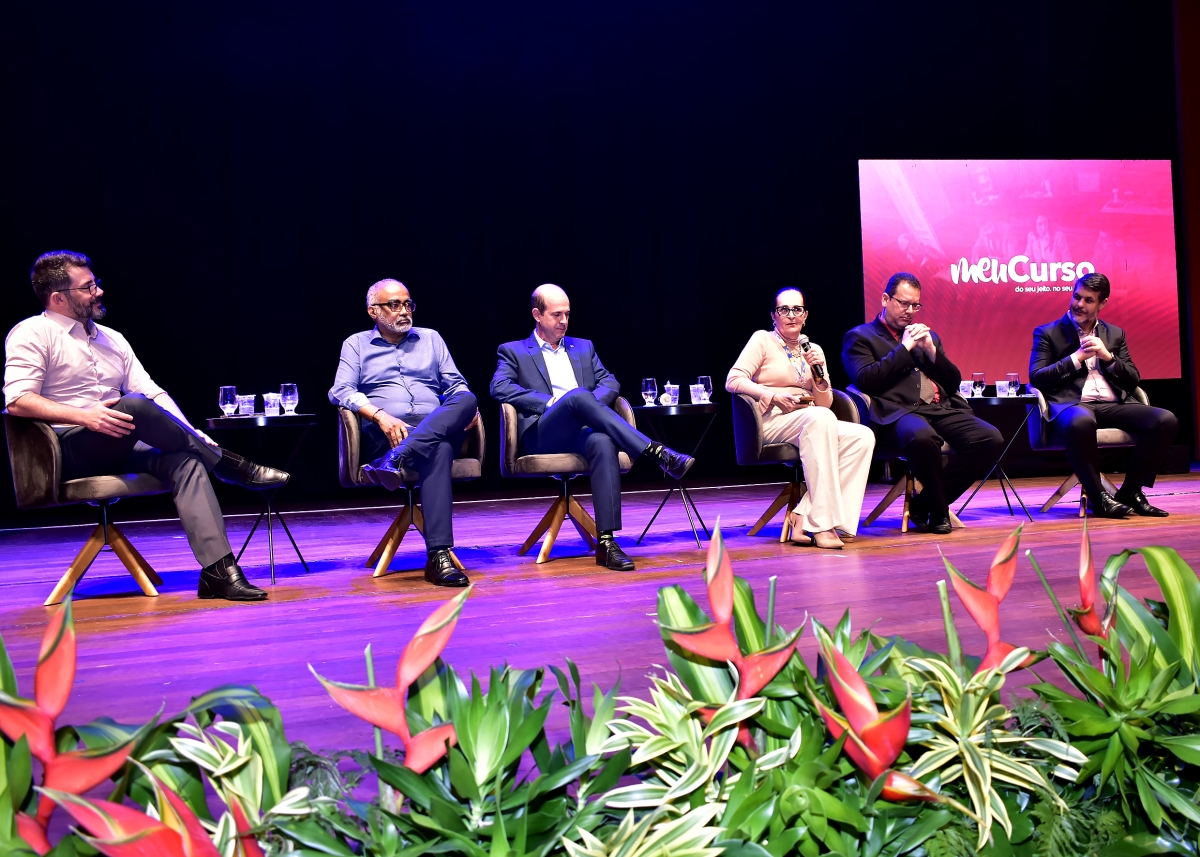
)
(670, 394)
(699, 396)
(649, 391)
(289, 397)
(705, 381)
(245, 404)
(964, 389)
(977, 383)
(228, 400)
(1014, 383)
(271, 404)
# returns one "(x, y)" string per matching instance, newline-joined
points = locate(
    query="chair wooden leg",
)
(542, 526)
(387, 536)
(955, 522)
(78, 566)
(1108, 486)
(559, 512)
(778, 503)
(1082, 502)
(910, 485)
(584, 524)
(133, 561)
(1068, 483)
(882, 506)
(798, 490)
(385, 551)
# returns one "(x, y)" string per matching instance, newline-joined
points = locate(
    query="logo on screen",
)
(1018, 269)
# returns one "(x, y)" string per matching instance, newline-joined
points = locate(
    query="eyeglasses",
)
(791, 311)
(394, 306)
(907, 305)
(92, 287)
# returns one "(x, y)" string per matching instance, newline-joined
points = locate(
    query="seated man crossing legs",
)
(562, 395)
(415, 409)
(110, 417)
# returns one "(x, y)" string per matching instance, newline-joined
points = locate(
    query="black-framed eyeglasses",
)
(791, 311)
(92, 287)
(395, 306)
(907, 305)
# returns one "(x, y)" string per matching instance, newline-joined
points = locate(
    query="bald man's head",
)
(543, 293)
(552, 312)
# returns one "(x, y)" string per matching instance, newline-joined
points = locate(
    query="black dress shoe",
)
(387, 469)
(234, 469)
(1137, 501)
(675, 464)
(610, 555)
(1105, 505)
(939, 525)
(224, 579)
(918, 515)
(440, 570)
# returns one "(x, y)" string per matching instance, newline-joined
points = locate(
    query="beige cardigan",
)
(763, 369)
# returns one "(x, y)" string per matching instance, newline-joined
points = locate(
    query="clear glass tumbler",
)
(649, 390)
(705, 381)
(289, 397)
(1014, 383)
(977, 383)
(271, 404)
(228, 400)
(246, 404)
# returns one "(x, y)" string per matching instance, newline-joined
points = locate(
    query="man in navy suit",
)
(562, 394)
(1083, 368)
(915, 404)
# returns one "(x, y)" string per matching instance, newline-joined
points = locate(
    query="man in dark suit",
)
(562, 394)
(915, 404)
(1083, 368)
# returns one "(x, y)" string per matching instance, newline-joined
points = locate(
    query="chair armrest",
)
(508, 439)
(475, 443)
(349, 448)
(862, 402)
(844, 407)
(35, 457)
(1140, 395)
(624, 411)
(747, 430)
(1038, 422)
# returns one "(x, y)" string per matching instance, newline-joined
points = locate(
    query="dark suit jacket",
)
(523, 381)
(1052, 371)
(888, 372)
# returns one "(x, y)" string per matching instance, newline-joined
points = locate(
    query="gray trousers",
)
(165, 448)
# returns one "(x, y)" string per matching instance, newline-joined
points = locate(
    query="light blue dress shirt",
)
(407, 380)
(558, 364)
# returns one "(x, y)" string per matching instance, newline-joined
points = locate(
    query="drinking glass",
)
(271, 404)
(245, 404)
(1014, 383)
(670, 394)
(1001, 388)
(649, 390)
(228, 400)
(964, 389)
(977, 383)
(705, 381)
(699, 396)
(289, 396)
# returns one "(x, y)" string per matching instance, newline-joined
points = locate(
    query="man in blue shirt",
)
(415, 409)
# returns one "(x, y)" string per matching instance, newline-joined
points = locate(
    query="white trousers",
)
(836, 456)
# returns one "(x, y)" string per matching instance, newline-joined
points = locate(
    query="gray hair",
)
(375, 287)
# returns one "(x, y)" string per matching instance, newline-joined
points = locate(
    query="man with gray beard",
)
(415, 410)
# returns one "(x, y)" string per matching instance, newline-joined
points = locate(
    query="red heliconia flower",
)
(873, 741)
(1085, 614)
(384, 706)
(76, 771)
(983, 603)
(117, 830)
(717, 641)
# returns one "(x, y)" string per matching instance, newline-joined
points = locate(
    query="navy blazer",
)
(523, 381)
(1052, 371)
(887, 372)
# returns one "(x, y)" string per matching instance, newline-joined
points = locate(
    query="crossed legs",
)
(1153, 428)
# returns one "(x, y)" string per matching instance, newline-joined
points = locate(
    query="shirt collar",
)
(69, 324)
(377, 336)
(543, 344)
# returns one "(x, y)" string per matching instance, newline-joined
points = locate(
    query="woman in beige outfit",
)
(795, 408)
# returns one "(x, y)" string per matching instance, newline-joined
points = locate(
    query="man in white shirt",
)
(110, 417)
(1083, 368)
(562, 394)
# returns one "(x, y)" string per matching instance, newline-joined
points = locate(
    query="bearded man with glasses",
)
(415, 410)
(915, 404)
(110, 417)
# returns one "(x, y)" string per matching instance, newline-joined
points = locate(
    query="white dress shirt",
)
(1096, 387)
(55, 357)
(558, 364)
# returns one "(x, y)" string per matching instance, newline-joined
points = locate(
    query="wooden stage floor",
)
(137, 653)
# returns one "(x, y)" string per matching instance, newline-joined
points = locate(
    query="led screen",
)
(997, 246)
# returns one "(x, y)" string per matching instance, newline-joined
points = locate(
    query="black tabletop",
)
(1001, 400)
(261, 421)
(678, 410)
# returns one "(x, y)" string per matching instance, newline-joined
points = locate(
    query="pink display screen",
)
(997, 246)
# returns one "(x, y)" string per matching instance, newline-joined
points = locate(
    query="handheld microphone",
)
(818, 371)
